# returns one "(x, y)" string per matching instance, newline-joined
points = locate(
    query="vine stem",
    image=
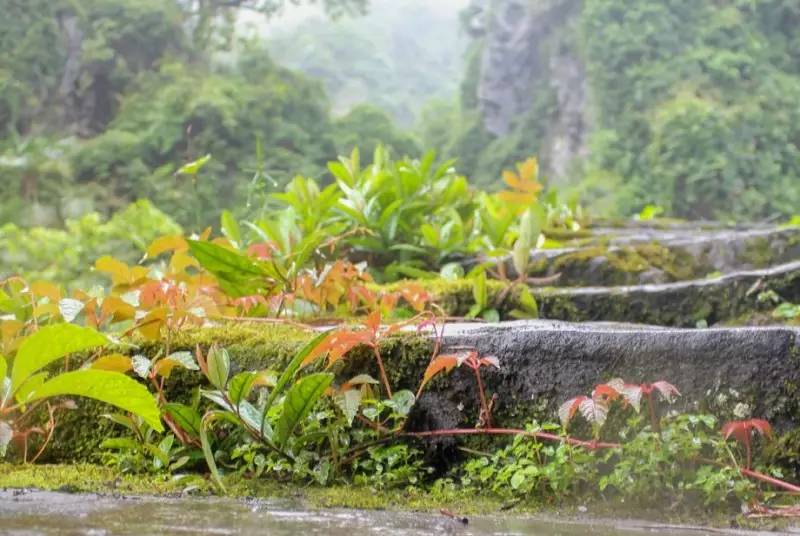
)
(384, 378)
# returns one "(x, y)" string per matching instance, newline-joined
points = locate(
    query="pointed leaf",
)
(443, 363)
(240, 386)
(186, 417)
(109, 387)
(219, 366)
(113, 362)
(70, 308)
(49, 344)
(299, 402)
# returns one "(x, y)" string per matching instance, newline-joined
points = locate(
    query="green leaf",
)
(219, 366)
(109, 387)
(230, 228)
(349, 402)
(299, 402)
(29, 386)
(528, 306)
(49, 344)
(219, 260)
(240, 386)
(208, 419)
(3, 367)
(402, 402)
(192, 168)
(479, 291)
(238, 275)
(291, 369)
(186, 417)
(452, 271)
(120, 443)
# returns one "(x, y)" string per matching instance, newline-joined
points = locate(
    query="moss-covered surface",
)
(603, 266)
(90, 478)
(96, 479)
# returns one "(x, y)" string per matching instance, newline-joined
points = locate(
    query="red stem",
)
(592, 445)
(383, 371)
(770, 480)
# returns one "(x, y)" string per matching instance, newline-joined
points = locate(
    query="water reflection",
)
(44, 513)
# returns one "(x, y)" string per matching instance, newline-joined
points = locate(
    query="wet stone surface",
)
(48, 513)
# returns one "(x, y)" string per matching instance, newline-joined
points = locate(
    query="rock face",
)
(544, 363)
(526, 52)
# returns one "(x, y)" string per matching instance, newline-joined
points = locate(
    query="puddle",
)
(49, 513)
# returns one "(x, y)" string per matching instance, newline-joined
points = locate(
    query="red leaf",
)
(443, 363)
(567, 410)
(741, 430)
(666, 389)
(337, 344)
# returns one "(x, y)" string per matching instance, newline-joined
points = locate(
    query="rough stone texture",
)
(544, 363)
(523, 47)
(672, 304)
(695, 250)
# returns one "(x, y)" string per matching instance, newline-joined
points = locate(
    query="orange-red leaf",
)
(741, 430)
(442, 363)
(667, 390)
(567, 410)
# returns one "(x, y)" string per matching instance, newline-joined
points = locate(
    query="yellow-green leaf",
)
(50, 343)
(109, 387)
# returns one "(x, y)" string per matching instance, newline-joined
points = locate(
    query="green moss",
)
(599, 265)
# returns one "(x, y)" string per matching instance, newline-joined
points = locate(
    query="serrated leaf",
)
(141, 365)
(594, 410)
(49, 344)
(70, 308)
(402, 402)
(163, 367)
(349, 402)
(109, 387)
(300, 400)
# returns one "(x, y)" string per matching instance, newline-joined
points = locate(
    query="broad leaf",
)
(240, 386)
(70, 308)
(594, 410)
(292, 368)
(109, 387)
(163, 367)
(299, 402)
(566, 411)
(49, 344)
(349, 402)
(219, 366)
(186, 417)
(113, 362)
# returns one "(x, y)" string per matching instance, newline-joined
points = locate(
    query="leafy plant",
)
(31, 383)
(742, 431)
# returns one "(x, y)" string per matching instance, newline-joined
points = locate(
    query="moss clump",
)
(602, 266)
